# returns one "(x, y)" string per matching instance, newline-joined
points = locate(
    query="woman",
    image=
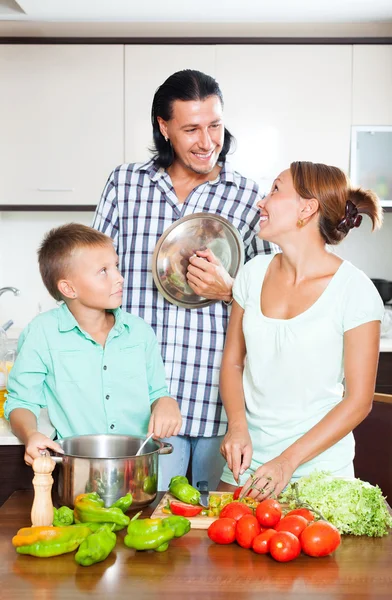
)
(302, 321)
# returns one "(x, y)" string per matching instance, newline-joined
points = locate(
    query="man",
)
(187, 174)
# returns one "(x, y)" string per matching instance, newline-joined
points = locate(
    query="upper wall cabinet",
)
(372, 85)
(286, 103)
(62, 128)
(146, 68)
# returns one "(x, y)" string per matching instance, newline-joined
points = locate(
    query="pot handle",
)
(166, 448)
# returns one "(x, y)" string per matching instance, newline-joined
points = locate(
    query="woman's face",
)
(280, 209)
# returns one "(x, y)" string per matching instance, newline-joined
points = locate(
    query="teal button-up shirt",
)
(87, 388)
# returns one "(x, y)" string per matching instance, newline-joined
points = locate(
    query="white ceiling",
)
(198, 11)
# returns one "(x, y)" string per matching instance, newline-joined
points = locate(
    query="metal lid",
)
(180, 241)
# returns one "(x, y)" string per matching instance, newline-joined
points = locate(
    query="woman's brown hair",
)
(55, 252)
(332, 189)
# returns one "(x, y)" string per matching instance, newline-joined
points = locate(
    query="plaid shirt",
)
(138, 204)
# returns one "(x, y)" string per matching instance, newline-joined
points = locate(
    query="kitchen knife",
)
(203, 489)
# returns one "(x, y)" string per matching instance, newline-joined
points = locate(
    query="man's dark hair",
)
(183, 85)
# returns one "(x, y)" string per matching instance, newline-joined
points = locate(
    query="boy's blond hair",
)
(55, 252)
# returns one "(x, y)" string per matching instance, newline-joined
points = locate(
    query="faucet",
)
(14, 290)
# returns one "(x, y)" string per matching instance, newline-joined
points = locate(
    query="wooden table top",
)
(192, 567)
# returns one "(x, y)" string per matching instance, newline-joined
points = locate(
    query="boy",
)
(97, 368)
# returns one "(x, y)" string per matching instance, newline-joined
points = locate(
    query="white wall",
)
(370, 251)
(20, 236)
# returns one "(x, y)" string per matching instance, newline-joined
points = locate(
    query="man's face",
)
(196, 132)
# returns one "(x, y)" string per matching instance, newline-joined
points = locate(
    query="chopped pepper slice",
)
(183, 509)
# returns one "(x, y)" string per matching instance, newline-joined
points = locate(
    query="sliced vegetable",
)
(184, 510)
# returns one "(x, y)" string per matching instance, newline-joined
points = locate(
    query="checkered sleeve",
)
(106, 218)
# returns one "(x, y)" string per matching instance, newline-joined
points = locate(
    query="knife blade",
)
(203, 489)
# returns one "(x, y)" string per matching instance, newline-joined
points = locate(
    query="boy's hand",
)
(165, 418)
(36, 442)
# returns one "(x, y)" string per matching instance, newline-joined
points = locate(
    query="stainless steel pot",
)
(107, 464)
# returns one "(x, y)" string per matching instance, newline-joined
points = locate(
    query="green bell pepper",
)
(123, 503)
(96, 547)
(182, 490)
(89, 508)
(49, 541)
(155, 534)
(62, 516)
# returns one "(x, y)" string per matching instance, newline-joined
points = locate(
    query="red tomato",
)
(247, 529)
(292, 523)
(261, 543)
(284, 546)
(268, 512)
(184, 510)
(237, 492)
(235, 510)
(303, 512)
(222, 531)
(319, 538)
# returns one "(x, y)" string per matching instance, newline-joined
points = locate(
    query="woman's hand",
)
(165, 418)
(269, 479)
(208, 278)
(237, 450)
(37, 442)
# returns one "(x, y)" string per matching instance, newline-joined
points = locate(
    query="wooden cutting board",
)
(197, 522)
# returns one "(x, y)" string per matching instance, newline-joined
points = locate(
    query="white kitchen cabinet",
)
(62, 112)
(285, 103)
(372, 85)
(146, 68)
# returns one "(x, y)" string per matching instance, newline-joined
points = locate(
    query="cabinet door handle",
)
(49, 189)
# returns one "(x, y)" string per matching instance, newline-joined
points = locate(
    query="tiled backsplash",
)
(22, 232)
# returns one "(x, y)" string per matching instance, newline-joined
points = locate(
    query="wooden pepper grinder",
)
(42, 509)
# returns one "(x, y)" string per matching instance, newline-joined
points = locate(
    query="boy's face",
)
(93, 278)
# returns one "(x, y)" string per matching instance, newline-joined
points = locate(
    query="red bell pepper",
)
(184, 510)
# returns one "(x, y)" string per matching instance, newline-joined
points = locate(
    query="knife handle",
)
(202, 486)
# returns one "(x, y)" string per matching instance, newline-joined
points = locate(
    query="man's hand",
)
(207, 277)
(36, 442)
(165, 418)
(237, 450)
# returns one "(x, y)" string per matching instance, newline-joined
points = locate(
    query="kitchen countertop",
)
(7, 438)
(193, 567)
